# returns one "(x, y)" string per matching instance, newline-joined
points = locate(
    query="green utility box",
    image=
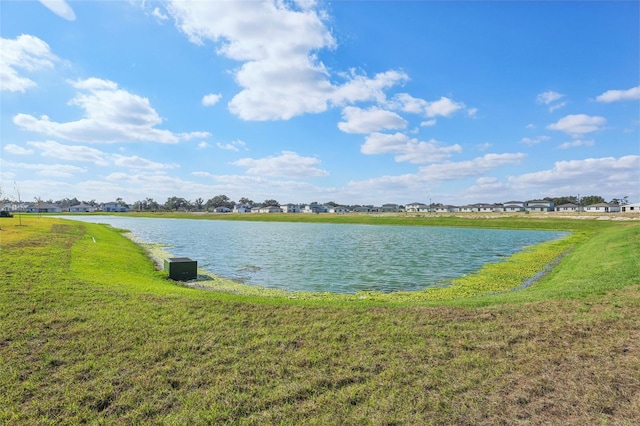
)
(181, 268)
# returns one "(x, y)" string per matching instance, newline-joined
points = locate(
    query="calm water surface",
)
(329, 257)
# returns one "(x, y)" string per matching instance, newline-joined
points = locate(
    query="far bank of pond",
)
(336, 258)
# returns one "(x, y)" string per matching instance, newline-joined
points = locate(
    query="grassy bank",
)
(91, 332)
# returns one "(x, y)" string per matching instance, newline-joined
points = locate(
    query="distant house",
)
(569, 207)
(82, 208)
(416, 207)
(339, 209)
(242, 208)
(269, 209)
(513, 206)
(362, 209)
(630, 208)
(290, 208)
(44, 208)
(222, 210)
(315, 208)
(114, 206)
(469, 208)
(540, 206)
(486, 208)
(446, 209)
(602, 208)
(389, 208)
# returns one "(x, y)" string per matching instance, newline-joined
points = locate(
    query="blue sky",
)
(347, 101)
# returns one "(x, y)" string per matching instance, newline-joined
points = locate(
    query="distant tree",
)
(620, 201)
(176, 203)
(151, 204)
(246, 201)
(332, 204)
(198, 203)
(270, 202)
(558, 201)
(219, 201)
(591, 199)
(65, 203)
(17, 188)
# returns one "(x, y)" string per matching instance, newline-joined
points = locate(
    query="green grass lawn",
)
(91, 332)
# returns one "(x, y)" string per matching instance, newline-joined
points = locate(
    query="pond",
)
(338, 258)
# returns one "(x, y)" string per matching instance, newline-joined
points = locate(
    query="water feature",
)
(339, 258)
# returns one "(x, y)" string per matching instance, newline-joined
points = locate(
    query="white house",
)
(269, 209)
(222, 210)
(483, 207)
(602, 208)
(242, 208)
(290, 208)
(540, 206)
(416, 207)
(513, 206)
(339, 209)
(569, 207)
(446, 209)
(315, 208)
(630, 208)
(469, 208)
(82, 208)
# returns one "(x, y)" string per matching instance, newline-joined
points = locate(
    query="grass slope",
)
(90, 332)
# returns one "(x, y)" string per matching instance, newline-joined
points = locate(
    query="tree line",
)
(175, 203)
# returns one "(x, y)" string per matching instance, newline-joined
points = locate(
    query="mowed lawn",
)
(91, 332)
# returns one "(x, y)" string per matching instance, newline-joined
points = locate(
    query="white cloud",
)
(548, 97)
(233, 146)
(485, 146)
(428, 123)
(281, 76)
(576, 143)
(407, 103)
(26, 52)
(17, 150)
(407, 149)
(360, 88)
(203, 145)
(111, 115)
(475, 167)
(534, 141)
(606, 175)
(73, 153)
(578, 124)
(288, 163)
(557, 106)
(443, 107)
(211, 99)
(60, 8)
(620, 95)
(136, 162)
(371, 120)
(159, 15)
(51, 170)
